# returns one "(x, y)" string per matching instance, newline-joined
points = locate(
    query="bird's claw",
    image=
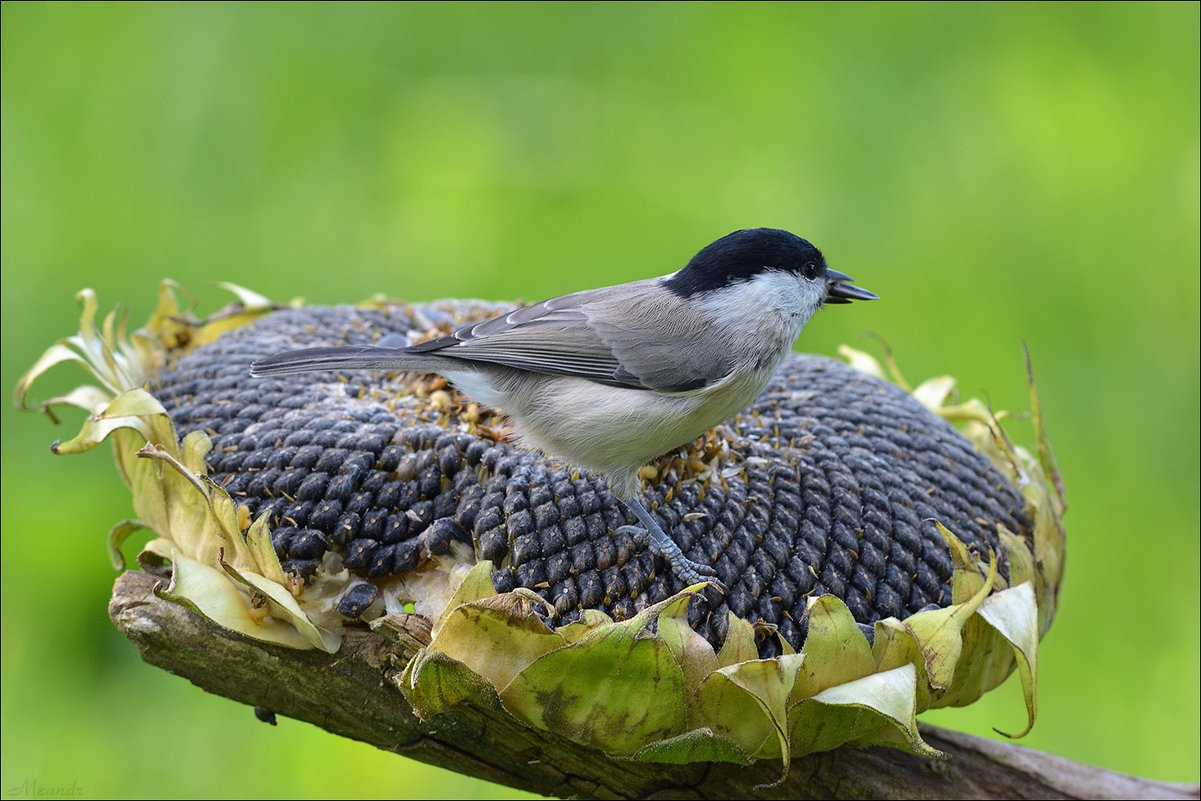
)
(640, 535)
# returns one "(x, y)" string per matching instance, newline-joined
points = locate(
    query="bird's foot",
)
(688, 571)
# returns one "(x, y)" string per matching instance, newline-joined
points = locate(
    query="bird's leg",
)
(689, 571)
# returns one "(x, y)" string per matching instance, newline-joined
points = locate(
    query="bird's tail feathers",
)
(362, 358)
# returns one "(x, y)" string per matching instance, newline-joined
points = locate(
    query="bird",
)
(608, 379)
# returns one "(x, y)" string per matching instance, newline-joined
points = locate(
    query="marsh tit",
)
(609, 379)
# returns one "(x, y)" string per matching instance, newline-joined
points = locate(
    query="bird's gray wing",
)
(576, 335)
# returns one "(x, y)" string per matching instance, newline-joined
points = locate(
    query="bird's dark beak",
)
(840, 290)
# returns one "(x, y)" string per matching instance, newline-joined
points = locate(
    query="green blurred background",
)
(997, 173)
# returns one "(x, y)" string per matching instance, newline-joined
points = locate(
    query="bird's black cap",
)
(741, 256)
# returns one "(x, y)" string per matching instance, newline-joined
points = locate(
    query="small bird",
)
(608, 379)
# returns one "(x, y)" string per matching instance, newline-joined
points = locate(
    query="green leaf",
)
(836, 650)
(616, 689)
(698, 745)
(497, 637)
(740, 642)
(734, 713)
(1013, 613)
(692, 652)
(879, 709)
(434, 683)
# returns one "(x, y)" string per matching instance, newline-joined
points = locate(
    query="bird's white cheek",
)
(773, 306)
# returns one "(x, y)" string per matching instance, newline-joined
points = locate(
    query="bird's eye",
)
(810, 270)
